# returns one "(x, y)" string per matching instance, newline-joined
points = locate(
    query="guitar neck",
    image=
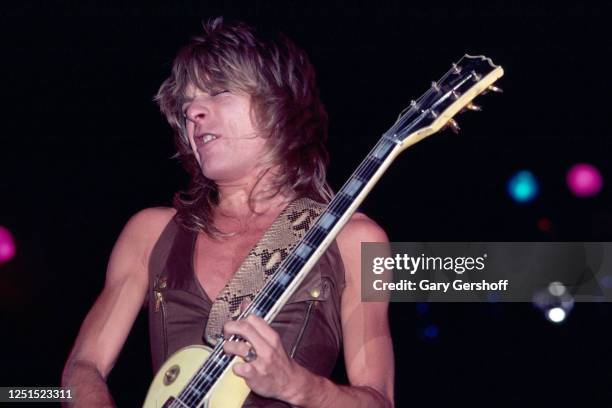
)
(290, 274)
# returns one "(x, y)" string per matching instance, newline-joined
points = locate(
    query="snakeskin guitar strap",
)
(261, 263)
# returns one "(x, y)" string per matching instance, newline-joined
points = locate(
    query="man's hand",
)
(272, 373)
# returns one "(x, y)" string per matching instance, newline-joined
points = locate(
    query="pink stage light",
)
(584, 180)
(7, 245)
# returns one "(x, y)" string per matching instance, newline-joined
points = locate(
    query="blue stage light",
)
(422, 308)
(523, 187)
(431, 331)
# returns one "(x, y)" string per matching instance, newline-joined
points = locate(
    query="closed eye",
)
(185, 105)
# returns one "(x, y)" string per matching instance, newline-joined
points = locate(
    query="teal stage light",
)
(523, 187)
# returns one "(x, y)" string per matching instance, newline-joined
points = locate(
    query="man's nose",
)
(196, 113)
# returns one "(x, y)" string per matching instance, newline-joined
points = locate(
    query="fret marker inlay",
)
(353, 186)
(283, 278)
(303, 250)
(381, 150)
(326, 220)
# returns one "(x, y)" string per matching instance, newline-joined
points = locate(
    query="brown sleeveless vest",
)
(309, 324)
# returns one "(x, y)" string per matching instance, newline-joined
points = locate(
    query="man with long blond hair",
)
(250, 129)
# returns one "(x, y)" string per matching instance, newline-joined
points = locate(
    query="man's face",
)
(222, 135)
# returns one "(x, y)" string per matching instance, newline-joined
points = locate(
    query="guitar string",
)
(365, 167)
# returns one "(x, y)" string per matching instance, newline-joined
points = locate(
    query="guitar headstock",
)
(435, 109)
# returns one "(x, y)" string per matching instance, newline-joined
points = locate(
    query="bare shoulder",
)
(133, 247)
(360, 228)
(150, 221)
(145, 227)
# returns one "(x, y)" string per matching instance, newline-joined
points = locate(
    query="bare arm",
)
(109, 321)
(368, 349)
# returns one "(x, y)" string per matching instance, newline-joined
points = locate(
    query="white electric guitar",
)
(198, 376)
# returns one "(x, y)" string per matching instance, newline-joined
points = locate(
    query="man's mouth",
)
(205, 138)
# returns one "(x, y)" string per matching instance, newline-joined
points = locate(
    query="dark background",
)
(83, 147)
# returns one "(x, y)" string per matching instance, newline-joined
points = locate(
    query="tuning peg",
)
(493, 88)
(452, 123)
(473, 107)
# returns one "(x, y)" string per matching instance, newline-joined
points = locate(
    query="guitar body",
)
(174, 375)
